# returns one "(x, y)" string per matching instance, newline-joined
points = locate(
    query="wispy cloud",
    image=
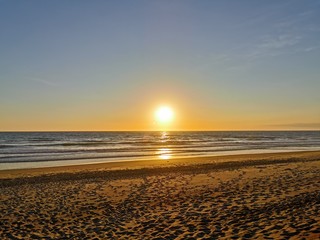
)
(309, 49)
(289, 35)
(280, 41)
(43, 81)
(285, 34)
(273, 45)
(312, 126)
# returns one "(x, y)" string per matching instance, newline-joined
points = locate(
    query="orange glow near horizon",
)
(174, 113)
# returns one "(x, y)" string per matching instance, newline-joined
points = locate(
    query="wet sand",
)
(261, 196)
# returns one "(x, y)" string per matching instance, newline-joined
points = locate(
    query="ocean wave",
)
(66, 146)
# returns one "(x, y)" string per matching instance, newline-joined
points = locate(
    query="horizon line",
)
(226, 130)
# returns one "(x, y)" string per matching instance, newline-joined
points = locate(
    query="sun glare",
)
(164, 114)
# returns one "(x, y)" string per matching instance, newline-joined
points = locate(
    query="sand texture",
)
(273, 196)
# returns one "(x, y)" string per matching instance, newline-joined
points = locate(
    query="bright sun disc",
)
(164, 114)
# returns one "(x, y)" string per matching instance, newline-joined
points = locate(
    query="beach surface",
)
(256, 196)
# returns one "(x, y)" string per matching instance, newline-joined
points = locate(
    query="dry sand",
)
(261, 196)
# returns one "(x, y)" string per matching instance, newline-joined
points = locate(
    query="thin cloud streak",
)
(311, 126)
(289, 35)
(43, 81)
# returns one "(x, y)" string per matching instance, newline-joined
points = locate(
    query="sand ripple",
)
(248, 202)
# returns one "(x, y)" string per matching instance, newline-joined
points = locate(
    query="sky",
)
(108, 65)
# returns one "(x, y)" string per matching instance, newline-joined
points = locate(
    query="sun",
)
(164, 114)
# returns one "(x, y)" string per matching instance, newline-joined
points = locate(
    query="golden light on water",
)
(163, 137)
(164, 153)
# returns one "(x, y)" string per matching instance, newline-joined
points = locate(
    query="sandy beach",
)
(258, 196)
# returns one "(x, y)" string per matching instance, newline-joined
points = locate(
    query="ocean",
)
(41, 149)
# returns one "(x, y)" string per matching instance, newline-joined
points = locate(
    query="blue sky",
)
(105, 65)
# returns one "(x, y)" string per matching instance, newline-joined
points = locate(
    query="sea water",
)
(38, 149)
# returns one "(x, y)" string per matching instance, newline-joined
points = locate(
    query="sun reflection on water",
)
(164, 136)
(164, 153)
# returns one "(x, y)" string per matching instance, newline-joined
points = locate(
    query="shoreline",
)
(256, 158)
(101, 159)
